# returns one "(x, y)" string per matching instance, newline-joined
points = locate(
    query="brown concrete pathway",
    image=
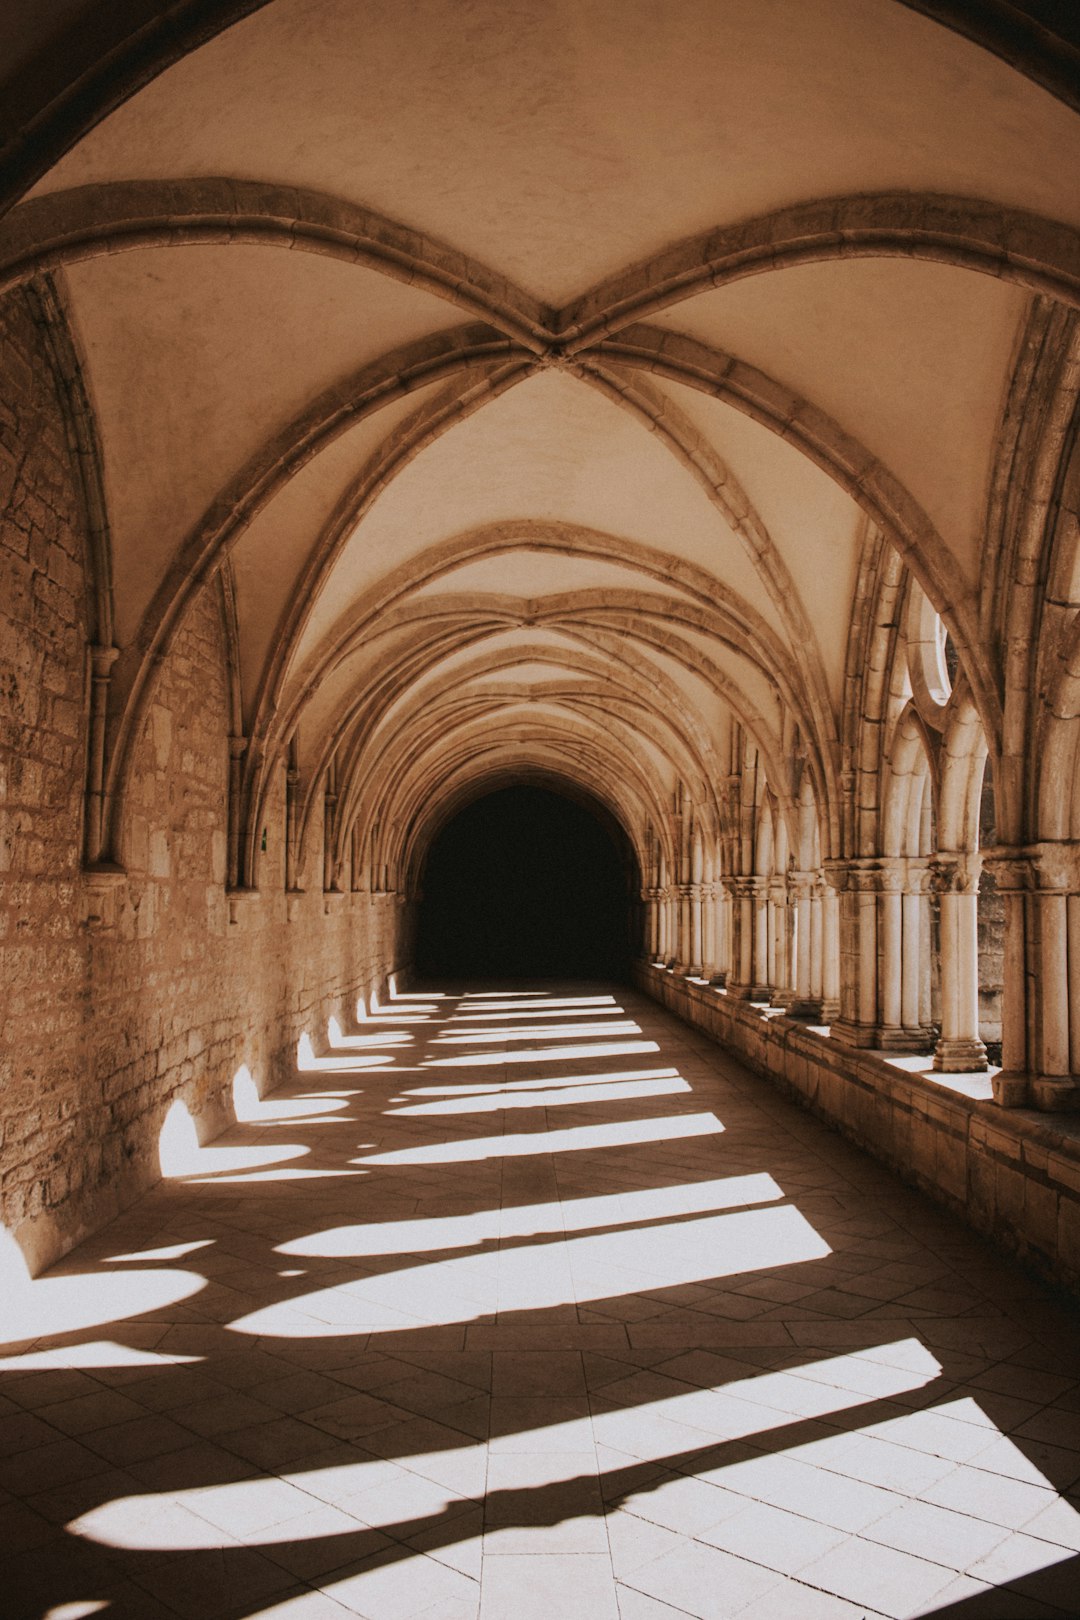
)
(524, 1306)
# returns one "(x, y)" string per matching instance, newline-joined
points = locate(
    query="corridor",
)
(529, 1304)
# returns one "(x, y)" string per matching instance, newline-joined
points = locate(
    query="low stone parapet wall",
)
(1011, 1173)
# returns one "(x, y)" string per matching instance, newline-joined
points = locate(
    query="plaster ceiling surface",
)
(816, 525)
(548, 450)
(232, 343)
(415, 678)
(559, 141)
(911, 359)
(269, 554)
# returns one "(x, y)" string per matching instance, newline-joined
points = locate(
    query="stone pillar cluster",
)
(1040, 884)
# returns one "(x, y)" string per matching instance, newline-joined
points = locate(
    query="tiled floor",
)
(531, 1306)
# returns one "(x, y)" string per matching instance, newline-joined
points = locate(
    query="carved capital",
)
(957, 873)
(102, 660)
(1049, 867)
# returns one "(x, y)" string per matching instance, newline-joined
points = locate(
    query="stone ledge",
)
(1013, 1174)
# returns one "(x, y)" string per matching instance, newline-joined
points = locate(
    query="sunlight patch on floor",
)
(548, 1454)
(562, 1097)
(536, 1032)
(491, 1088)
(95, 1353)
(554, 1054)
(507, 1014)
(531, 1220)
(626, 1133)
(51, 1305)
(538, 1276)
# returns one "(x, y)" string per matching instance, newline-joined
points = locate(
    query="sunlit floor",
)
(530, 1305)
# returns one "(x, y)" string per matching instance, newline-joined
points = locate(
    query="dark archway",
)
(525, 883)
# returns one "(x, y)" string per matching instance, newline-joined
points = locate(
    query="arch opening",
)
(525, 882)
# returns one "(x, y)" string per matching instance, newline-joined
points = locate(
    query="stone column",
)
(903, 962)
(655, 923)
(683, 927)
(769, 974)
(330, 870)
(749, 944)
(102, 660)
(1041, 1013)
(857, 883)
(237, 750)
(804, 1004)
(723, 935)
(959, 1048)
(784, 914)
(292, 828)
(830, 952)
(671, 928)
(709, 940)
(697, 951)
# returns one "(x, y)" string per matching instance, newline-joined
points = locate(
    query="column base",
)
(853, 1034)
(784, 999)
(808, 1007)
(749, 992)
(1056, 1093)
(960, 1057)
(694, 971)
(897, 1038)
(1011, 1090)
(719, 981)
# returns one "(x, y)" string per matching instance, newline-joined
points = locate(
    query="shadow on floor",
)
(533, 1294)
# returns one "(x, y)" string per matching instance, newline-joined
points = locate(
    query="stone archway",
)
(525, 882)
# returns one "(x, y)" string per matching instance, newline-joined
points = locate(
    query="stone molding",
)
(1046, 867)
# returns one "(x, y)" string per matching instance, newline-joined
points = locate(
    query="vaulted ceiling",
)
(535, 374)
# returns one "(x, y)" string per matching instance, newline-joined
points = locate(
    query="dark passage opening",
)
(524, 882)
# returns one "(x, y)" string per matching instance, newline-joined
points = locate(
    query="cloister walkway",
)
(534, 1304)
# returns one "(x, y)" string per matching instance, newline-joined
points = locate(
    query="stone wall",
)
(43, 950)
(110, 1011)
(1013, 1174)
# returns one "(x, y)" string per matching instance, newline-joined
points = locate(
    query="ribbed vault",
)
(565, 439)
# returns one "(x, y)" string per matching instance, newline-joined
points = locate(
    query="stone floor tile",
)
(303, 1604)
(891, 1582)
(781, 1541)
(793, 1601)
(986, 1603)
(703, 1581)
(213, 1584)
(688, 1506)
(1031, 1460)
(555, 1587)
(639, 1606)
(1059, 1523)
(827, 1497)
(1020, 1556)
(397, 1584)
(459, 1543)
(896, 1468)
(24, 1432)
(57, 1462)
(558, 1455)
(936, 1533)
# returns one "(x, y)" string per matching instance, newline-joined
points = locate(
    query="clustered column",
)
(956, 881)
(1041, 1015)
